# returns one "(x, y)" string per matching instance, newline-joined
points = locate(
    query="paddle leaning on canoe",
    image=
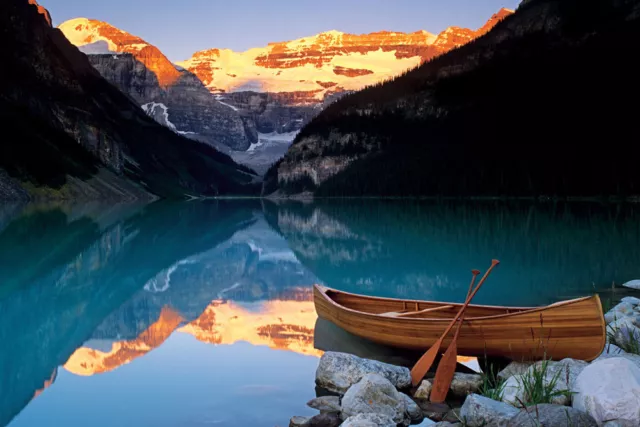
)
(574, 328)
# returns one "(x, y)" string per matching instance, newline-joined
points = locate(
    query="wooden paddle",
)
(447, 365)
(423, 365)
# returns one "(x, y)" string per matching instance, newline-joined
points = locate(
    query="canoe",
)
(574, 328)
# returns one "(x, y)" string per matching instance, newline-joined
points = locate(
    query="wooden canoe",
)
(574, 328)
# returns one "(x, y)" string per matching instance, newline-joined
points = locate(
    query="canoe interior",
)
(375, 305)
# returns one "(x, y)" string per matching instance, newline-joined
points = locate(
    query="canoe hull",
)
(574, 329)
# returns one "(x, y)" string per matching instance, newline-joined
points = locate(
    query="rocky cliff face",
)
(175, 97)
(66, 124)
(314, 67)
(479, 120)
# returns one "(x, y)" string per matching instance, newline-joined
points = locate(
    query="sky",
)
(180, 28)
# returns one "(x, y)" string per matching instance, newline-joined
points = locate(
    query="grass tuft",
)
(537, 389)
(492, 385)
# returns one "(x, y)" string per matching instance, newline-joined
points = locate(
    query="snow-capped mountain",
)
(252, 104)
(173, 96)
(313, 67)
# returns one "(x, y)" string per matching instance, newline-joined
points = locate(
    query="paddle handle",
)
(473, 279)
(447, 366)
(470, 297)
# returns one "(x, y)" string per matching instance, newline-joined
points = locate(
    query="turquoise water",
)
(200, 313)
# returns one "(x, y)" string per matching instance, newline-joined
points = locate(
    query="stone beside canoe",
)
(375, 394)
(339, 371)
(609, 390)
(632, 284)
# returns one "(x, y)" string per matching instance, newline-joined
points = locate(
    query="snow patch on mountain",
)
(99, 47)
(220, 100)
(162, 281)
(81, 31)
(160, 113)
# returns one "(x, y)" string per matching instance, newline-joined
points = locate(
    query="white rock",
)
(513, 368)
(609, 390)
(424, 390)
(298, 421)
(545, 414)
(325, 404)
(633, 284)
(564, 373)
(567, 371)
(513, 392)
(624, 330)
(633, 358)
(464, 384)
(617, 424)
(339, 371)
(369, 420)
(620, 311)
(375, 394)
(613, 350)
(631, 300)
(412, 410)
(481, 411)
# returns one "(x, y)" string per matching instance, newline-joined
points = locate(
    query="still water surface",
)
(200, 313)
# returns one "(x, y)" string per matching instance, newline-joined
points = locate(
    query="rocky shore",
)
(606, 392)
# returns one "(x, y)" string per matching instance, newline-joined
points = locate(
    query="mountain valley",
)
(259, 99)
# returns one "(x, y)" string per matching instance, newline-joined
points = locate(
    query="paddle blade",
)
(444, 374)
(423, 365)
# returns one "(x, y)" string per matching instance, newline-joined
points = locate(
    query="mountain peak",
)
(495, 18)
(84, 31)
(42, 11)
(333, 33)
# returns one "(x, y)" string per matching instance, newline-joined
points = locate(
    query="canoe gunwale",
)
(520, 310)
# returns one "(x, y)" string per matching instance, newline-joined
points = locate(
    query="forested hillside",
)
(543, 105)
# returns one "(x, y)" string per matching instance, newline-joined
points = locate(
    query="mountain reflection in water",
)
(193, 307)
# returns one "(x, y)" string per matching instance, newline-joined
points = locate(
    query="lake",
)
(201, 313)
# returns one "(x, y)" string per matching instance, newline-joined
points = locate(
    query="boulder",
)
(375, 394)
(567, 371)
(434, 411)
(633, 358)
(632, 284)
(339, 371)
(617, 424)
(369, 420)
(620, 311)
(325, 420)
(609, 390)
(513, 368)
(481, 411)
(447, 424)
(325, 404)
(464, 384)
(612, 349)
(299, 421)
(424, 390)
(625, 330)
(551, 415)
(412, 410)
(513, 392)
(564, 372)
(631, 300)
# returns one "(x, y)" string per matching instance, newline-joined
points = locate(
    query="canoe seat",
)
(395, 313)
(411, 313)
